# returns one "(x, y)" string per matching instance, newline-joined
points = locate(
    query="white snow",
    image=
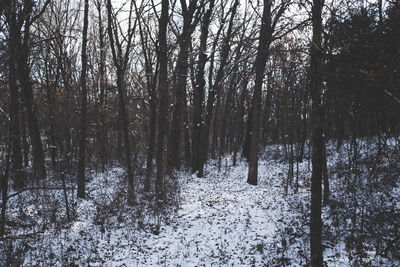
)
(220, 220)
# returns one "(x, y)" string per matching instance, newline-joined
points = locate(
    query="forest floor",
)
(217, 220)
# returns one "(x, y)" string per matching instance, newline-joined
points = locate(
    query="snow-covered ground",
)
(221, 221)
(218, 220)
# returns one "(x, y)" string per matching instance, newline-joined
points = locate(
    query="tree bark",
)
(199, 93)
(214, 91)
(4, 188)
(83, 122)
(152, 124)
(50, 90)
(125, 125)
(325, 177)
(259, 66)
(120, 60)
(102, 133)
(317, 138)
(25, 142)
(178, 118)
(163, 93)
(239, 122)
(12, 83)
(39, 167)
(227, 106)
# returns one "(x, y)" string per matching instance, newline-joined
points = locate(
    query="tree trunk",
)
(66, 106)
(317, 138)
(125, 128)
(120, 60)
(174, 149)
(228, 106)
(12, 83)
(240, 121)
(259, 66)
(163, 93)
(119, 135)
(178, 118)
(25, 142)
(83, 126)
(198, 94)
(152, 137)
(214, 90)
(325, 177)
(4, 189)
(39, 168)
(151, 91)
(102, 134)
(50, 89)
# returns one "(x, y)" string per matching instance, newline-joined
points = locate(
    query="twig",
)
(390, 94)
(35, 188)
(21, 236)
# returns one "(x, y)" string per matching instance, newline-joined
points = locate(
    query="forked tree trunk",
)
(179, 117)
(214, 91)
(199, 93)
(120, 60)
(150, 84)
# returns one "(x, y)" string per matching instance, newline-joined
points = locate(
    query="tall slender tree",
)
(121, 59)
(259, 66)
(215, 88)
(177, 128)
(270, 19)
(10, 12)
(317, 134)
(152, 92)
(83, 122)
(24, 76)
(199, 93)
(163, 116)
(102, 131)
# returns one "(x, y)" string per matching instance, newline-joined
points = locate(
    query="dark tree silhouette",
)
(83, 128)
(163, 116)
(318, 143)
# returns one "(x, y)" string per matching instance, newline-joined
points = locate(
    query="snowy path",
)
(222, 221)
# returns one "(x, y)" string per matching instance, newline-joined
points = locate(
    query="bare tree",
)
(259, 66)
(269, 21)
(27, 19)
(163, 116)
(120, 59)
(318, 144)
(152, 93)
(190, 21)
(14, 27)
(199, 92)
(102, 131)
(215, 87)
(83, 126)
